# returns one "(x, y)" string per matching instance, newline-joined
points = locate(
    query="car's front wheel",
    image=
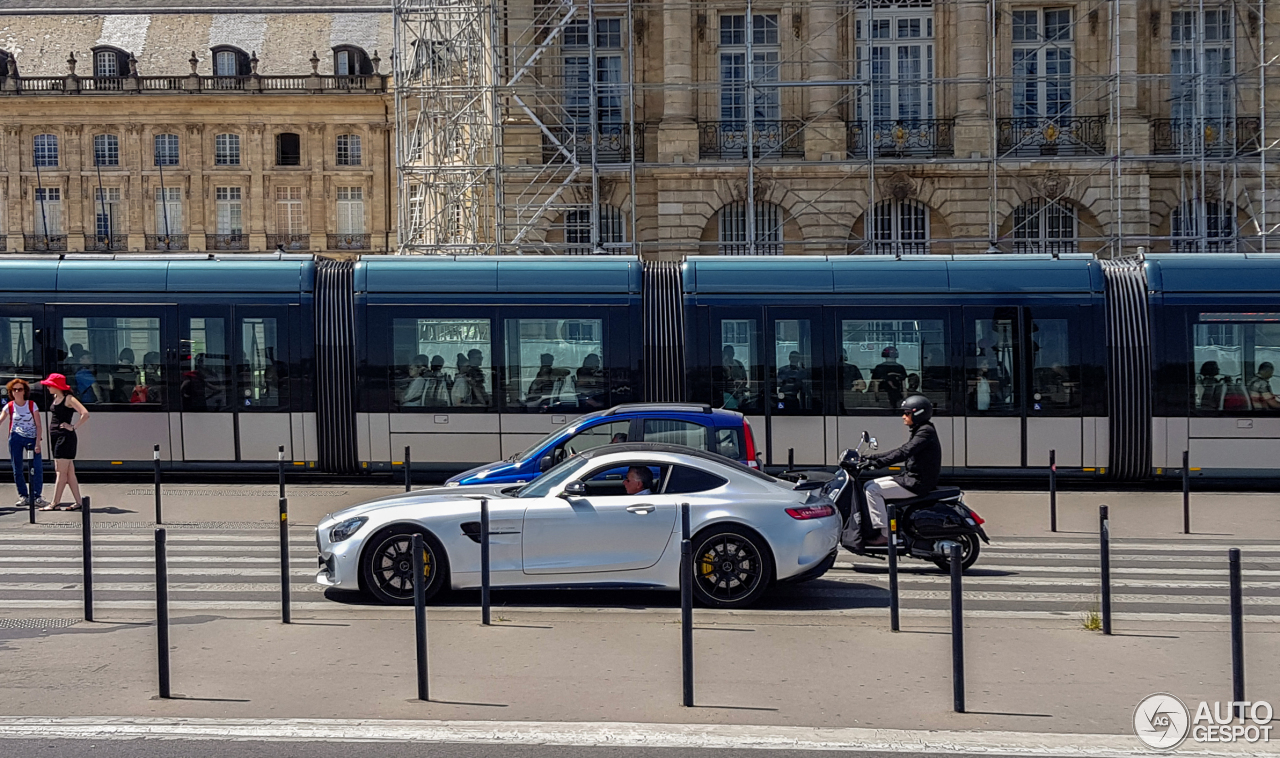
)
(732, 567)
(387, 564)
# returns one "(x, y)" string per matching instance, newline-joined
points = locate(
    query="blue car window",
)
(675, 432)
(729, 443)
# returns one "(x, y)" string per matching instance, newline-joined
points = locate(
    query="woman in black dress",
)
(62, 437)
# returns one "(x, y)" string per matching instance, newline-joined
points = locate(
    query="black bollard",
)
(1053, 490)
(1237, 630)
(893, 568)
(27, 457)
(155, 464)
(1104, 532)
(1186, 492)
(407, 478)
(686, 606)
(285, 610)
(791, 459)
(420, 615)
(957, 629)
(86, 548)
(162, 612)
(280, 456)
(484, 561)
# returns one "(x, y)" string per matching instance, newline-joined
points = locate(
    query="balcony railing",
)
(168, 242)
(289, 241)
(1215, 136)
(106, 243)
(348, 242)
(103, 84)
(613, 143)
(41, 243)
(903, 138)
(1048, 136)
(226, 241)
(729, 140)
(193, 83)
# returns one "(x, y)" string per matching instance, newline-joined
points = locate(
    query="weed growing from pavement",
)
(1091, 620)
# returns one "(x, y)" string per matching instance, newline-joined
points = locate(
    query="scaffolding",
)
(837, 126)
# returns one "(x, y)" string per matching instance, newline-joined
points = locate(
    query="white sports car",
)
(577, 526)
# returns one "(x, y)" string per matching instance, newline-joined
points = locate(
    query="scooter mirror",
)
(874, 444)
(866, 438)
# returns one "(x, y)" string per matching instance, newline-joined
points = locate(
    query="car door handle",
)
(642, 508)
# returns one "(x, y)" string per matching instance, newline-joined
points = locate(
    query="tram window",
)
(793, 390)
(675, 432)
(261, 370)
(991, 366)
(1235, 355)
(101, 359)
(17, 349)
(1055, 373)
(206, 365)
(883, 361)
(556, 364)
(442, 363)
(735, 381)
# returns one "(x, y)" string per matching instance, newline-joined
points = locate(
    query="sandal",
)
(72, 507)
(49, 507)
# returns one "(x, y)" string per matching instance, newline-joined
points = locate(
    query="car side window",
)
(593, 437)
(685, 480)
(609, 481)
(729, 443)
(675, 432)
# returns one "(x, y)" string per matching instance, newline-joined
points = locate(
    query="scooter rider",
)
(921, 457)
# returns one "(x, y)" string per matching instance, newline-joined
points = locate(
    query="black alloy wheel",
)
(732, 567)
(387, 565)
(969, 549)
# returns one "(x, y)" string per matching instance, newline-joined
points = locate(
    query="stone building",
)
(840, 126)
(130, 127)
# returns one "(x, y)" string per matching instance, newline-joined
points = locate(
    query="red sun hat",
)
(57, 381)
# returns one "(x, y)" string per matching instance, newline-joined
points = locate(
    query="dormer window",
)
(109, 63)
(230, 61)
(349, 60)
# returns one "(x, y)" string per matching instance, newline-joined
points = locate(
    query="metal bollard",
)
(957, 629)
(420, 616)
(162, 612)
(791, 459)
(1186, 492)
(893, 568)
(286, 614)
(1053, 490)
(1237, 630)
(407, 478)
(1104, 532)
(155, 461)
(280, 457)
(686, 606)
(27, 458)
(484, 561)
(86, 547)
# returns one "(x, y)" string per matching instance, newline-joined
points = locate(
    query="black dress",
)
(63, 441)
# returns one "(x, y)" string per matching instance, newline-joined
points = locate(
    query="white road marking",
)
(914, 569)
(56, 587)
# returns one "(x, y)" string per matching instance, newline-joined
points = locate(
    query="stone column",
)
(322, 140)
(256, 201)
(678, 131)
(521, 138)
(134, 192)
(1135, 137)
(971, 38)
(12, 187)
(824, 134)
(193, 206)
(73, 200)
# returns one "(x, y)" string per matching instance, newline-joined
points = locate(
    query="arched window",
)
(166, 149)
(109, 63)
(734, 225)
(1044, 226)
(226, 150)
(106, 150)
(230, 61)
(288, 149)
(900, 227)
(349, 153)
(612, 237)
(45, 149)
(1203, 227)
(349, 60)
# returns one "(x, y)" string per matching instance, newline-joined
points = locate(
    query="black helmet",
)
(919, 407)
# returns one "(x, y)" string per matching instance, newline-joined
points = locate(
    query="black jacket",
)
(921, 457)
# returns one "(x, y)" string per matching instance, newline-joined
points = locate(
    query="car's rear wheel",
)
(732, 567)
(969, 549)
(387, 565)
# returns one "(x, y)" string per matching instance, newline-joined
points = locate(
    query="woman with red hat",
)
(62, 437)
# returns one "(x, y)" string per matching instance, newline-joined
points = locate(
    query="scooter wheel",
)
(969, 549)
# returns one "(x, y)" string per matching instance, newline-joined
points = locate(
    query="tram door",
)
(21, 351)
(1022, 386)
(232, 382)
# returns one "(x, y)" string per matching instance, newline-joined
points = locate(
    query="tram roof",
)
(873, 274)
(555, 274)
(1213, 272)
(158, 273)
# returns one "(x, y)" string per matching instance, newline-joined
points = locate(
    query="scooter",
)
(928, 525)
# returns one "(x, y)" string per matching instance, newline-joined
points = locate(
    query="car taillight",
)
(811, 511)
(751, 445)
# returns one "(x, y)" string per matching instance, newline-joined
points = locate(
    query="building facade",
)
(256, 130)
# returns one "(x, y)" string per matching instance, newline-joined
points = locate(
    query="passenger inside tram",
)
(1260, 393)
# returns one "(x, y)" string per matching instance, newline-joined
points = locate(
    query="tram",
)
(1116, 367)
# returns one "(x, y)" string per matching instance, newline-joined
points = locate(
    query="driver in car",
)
(639, 481)
(921, 457)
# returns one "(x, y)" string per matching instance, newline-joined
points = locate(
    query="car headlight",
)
(346, 528)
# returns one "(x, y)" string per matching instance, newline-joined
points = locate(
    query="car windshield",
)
(554, 479)
(535, 447)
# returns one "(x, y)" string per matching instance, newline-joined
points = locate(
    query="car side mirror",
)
(574, 489)
(546, 463)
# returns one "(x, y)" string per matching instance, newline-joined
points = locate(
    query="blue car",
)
(698, 426)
